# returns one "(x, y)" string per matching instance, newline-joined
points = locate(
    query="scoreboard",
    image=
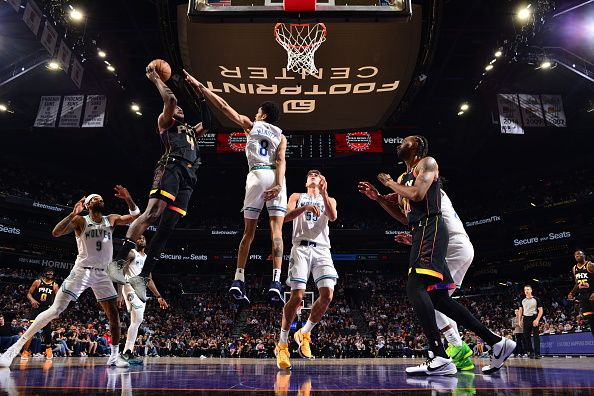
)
(319, 145)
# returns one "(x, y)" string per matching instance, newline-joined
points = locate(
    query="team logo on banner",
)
(358, 141)
(237, 141)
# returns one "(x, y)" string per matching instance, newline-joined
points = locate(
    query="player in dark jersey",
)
(41, 294)
(583, 290)
(429, 277)
(173, 184)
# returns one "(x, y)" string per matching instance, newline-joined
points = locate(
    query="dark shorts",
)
(174, 184)
(586, 304)
(428, 252)
(35, 312)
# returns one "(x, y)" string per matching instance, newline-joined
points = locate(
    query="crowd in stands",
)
(203, 322)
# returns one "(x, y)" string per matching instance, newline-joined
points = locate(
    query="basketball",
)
(162, 68)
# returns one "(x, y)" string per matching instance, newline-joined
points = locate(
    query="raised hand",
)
(323, 185)
(405, 239)
(384, 178)
(152, 74)
(79, 206)
(121, 192)
(368, 190)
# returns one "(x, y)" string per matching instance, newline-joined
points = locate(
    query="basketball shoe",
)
(139, 283)
(115, 270)
(237, 290)
(303, 340)
(283, 355)
(499, 354)
(275, 293)
(434, 365)
(118, 361)
(462, 356)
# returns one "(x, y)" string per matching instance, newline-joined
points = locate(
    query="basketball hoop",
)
(300, 40)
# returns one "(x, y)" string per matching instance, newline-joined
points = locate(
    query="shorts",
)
(459, 256)
(174, 184)
(311, 259)
(132, 300)
(586, 305)
(428, 252)
(80, 279)
(258, 181)
(35, 312)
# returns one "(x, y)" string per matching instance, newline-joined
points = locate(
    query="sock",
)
(276, 275)
(284, 336)
(453, 337)
(308, 327)
(115, 349)
(239, 274)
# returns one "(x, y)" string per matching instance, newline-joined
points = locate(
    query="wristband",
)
(134, 212)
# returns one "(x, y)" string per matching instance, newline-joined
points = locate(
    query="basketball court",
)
(560, 376)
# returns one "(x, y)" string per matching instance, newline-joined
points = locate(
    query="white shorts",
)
(80, 279)
(459, 256)
(132, 300)
(311, 259)
(258, 181)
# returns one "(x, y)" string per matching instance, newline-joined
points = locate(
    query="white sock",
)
(453, 337)
(239, 274)
(284, 336)
(308, 327)
(276, 275)
(115, 349)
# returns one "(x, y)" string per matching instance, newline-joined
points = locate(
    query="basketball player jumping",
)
(173, 184)
(41, 295)
(94, 239)
(459, 256)
(265, 151)
(429, 277)
(134, 305)
(310, 213)
(583, 273)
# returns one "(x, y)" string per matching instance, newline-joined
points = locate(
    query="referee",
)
(529, 315)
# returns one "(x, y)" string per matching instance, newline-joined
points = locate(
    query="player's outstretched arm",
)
(72, 222)
(219, 103)
(385, 202)
(169, 99)
(293, 211)
(329, 202)
(116, 219)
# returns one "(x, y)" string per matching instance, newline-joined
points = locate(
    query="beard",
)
(178, 117)
(99, 208)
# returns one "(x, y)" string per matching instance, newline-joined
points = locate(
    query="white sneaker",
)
(8, 356)
(434, 365)
(499, 354)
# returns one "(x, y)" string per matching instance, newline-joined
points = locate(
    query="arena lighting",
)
(498, 53)
(101, 54)
(524, 13)
(535, 280)
(76, 15)
(533, 204)
(493, 61)
(135, 107)
(53, 65)
(138, 113)
(110, 68)
(3, 108)
(464, 106)
(488, 67)
(503, 284)
(545, 64)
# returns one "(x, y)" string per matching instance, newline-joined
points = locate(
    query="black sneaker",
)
(237, 290)
(275, 293)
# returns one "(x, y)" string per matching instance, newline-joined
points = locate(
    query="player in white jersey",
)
(459, 256)
(134, 305)
(310, 213)
(265, 151)
(94, 234)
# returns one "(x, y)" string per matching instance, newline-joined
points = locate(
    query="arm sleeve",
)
(205, 112)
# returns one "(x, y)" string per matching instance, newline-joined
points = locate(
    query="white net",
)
(301, 42)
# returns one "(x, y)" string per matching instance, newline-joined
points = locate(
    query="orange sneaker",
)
(303, 339)
(25, 355)
(282, 356)
(49, 354)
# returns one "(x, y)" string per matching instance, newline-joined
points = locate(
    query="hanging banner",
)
(16, 4)
(94, 111)
(71, 111)
(48, 112)
(64, 54)
(553, 108)
(77, 72)
(509, 114)
(32, 17)
(531, 111)
(49, 37)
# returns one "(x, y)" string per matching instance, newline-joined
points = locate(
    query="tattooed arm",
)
(427, 173)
